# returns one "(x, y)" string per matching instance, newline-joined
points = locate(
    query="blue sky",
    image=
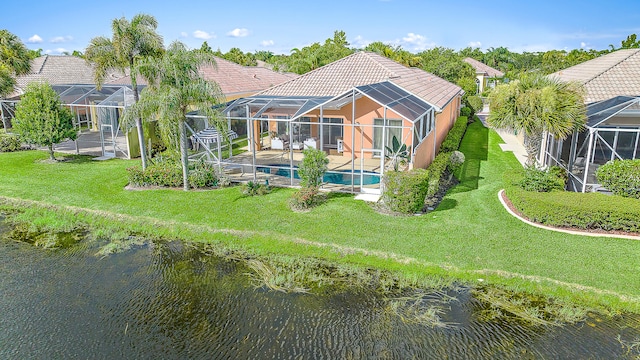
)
(279, 26)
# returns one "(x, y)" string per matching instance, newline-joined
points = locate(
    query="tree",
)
(535, 104)
(131, 41)
(175, 88)
(14, 61)
(206, 48)
(41, 119)
(631, 42)
(312, 168)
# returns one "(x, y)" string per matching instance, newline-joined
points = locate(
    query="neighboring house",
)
(351, 109)
(100, 110)
(486, 76)
(612, 85)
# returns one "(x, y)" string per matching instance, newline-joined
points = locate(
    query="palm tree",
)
(175, 88)
(535, 104)
(131, 41)
(14, 60)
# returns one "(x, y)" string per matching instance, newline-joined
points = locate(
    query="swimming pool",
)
(342, 177)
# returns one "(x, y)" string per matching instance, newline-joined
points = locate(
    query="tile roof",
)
(607, 76)
(482, 68)
(364, 68)
(234, 78)
(57, 70)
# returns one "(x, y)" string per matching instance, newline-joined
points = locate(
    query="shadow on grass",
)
(338, 195)
(446, 204)
(475, 146)
(75, 159)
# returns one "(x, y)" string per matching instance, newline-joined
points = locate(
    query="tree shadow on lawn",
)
(475, 147)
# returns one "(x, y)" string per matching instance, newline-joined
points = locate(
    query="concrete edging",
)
(572, 232)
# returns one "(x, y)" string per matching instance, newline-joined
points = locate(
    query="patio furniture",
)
(279, 143)
(296, 145)
(310, 143)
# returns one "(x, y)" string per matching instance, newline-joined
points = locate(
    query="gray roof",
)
(365, 68)
(607, 76)
(58, 70)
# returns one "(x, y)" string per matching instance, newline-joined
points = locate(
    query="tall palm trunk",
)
(184, 155)
(143, 148)
(532, 145)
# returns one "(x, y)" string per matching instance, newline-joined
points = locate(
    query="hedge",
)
(9, 142)
(587, 211)
(454, 137)
(406, 191)
(622, 177)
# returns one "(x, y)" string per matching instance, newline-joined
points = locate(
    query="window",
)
(331, 130)
(394, 128)
(282, 125)
(302, 129)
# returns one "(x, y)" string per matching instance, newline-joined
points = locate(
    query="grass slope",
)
(469, 236)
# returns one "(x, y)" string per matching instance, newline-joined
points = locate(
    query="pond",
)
(171, 300)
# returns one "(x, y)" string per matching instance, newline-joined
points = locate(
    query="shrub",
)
(436, 172)
(466, 111)
(570, 209)
(313, 167)
(454, 137)
(203, 175)
(252, 188)
(306, 198)
(456, 160)
(9, 142)
(542, 180)
(405, 191)
(160, 172)
(622, 177)
(475, 103)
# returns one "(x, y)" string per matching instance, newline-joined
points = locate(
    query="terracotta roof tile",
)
(234, 78)
(57, 70)
(482, 68)
(607, 76)
(364, 68)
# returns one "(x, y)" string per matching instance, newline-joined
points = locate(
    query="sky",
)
(56, 26)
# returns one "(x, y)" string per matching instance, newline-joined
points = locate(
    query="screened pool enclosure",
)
(612, 132)
(96, 114)
(355, 129)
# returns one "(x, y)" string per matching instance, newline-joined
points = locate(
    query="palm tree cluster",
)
(14, 61)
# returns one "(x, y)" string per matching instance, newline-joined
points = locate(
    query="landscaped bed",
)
(468, 237)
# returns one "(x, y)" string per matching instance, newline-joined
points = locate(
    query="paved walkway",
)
(511, 141)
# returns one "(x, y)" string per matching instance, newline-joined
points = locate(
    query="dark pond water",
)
(171, 301)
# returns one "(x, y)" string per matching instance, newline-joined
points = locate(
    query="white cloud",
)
(417, 42)
(56, 51)
(359, 42)
(199, 34)
(475, 44)
(60, 39)
(34, 39)
(583, 45)
(238, 32)
(184, 34)
(266, 43)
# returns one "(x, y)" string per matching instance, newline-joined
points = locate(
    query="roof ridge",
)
(393, 73)
(46, 57)
(632, 53)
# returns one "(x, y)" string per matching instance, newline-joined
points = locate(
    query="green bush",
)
(588, 211)
(436, 171)
(475, 103)
(622, 177)
(466, 111)
(312, 168)
(203, 175)
(454, 137)
(543, 180)
(9, 142)
(405, 191)
(306, 198)
(252, 188)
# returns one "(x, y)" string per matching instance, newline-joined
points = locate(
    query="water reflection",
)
(171, 300)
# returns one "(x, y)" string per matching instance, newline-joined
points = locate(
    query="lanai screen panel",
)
(400, 101)
(599, 112)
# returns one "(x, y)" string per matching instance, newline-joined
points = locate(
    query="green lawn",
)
(470, 236)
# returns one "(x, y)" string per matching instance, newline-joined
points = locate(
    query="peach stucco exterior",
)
(358, 134)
